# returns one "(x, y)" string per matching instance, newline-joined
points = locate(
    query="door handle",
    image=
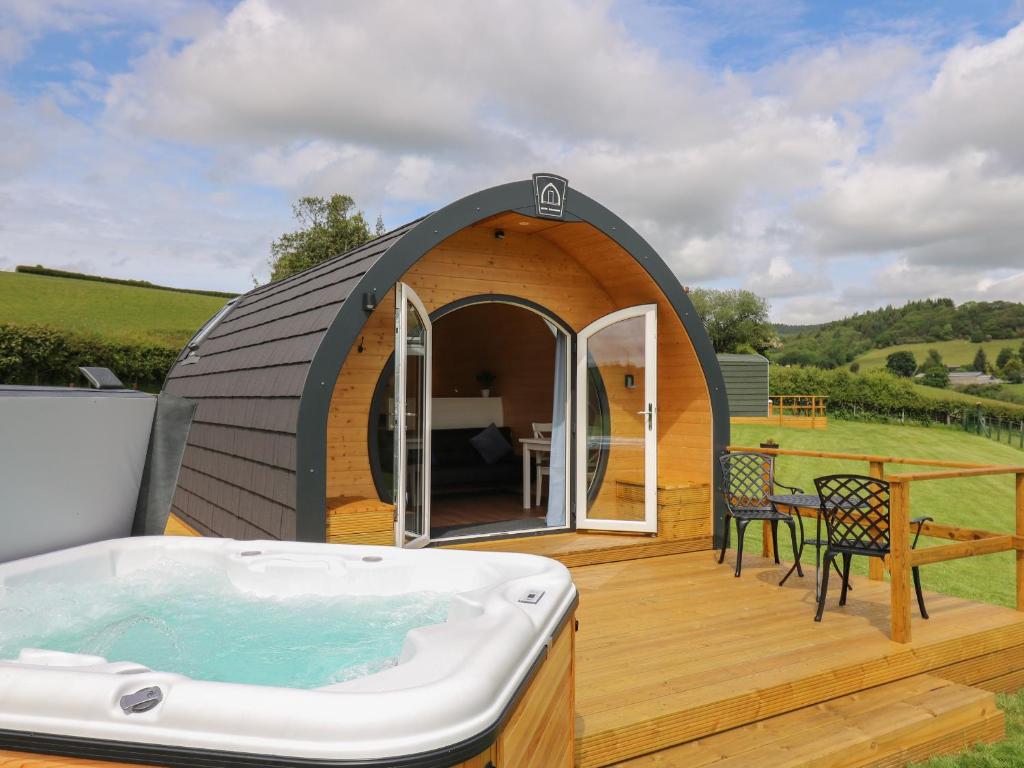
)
(649, 412)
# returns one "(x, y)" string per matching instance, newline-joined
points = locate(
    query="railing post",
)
(876, 568)
(1020, 532)
(899, 561)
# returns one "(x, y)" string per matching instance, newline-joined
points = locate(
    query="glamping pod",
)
(519, 362)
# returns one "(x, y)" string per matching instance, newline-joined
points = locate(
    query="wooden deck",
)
(793, 422)
(672, 649)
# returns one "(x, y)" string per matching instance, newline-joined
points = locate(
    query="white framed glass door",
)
(617, 422)
(412, 419)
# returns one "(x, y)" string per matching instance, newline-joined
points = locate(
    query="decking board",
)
(655, 669)
(886, 725)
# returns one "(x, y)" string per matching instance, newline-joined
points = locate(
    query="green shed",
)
(746, 383)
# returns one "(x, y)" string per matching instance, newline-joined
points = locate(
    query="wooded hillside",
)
(840, 342)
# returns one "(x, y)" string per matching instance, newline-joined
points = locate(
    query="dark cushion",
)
(491, 444)
(451, 447)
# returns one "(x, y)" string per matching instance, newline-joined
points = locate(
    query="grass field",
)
(953, 394)
(985, 502)
(956, 352)
(114, 312)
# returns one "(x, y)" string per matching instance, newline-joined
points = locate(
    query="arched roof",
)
(263, 374)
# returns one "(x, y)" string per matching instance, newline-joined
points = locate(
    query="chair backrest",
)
(856, 511)
(747, 479)
(542, 430)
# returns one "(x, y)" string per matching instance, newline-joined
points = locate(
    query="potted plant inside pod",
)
(485, 379)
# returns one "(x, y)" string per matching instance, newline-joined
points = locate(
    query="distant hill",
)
(956, 352)
(113, 311)
(784, 329)
(919, 322)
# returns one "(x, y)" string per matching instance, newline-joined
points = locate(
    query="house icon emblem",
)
(549, 191)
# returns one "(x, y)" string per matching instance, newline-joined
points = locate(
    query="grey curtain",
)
(558, 477)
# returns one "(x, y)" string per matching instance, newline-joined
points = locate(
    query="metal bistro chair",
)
(748, 479)
(856, 513)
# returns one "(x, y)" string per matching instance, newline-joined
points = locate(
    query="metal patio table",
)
(795, 502)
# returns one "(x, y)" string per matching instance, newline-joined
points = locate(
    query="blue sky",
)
(832, 156)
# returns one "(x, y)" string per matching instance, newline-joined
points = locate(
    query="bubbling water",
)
(190, 620)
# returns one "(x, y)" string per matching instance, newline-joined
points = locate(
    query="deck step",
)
(887, 726)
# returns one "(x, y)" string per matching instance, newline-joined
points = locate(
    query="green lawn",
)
(977, 502)
(1017, 390)
(115, 312)
(956, 352)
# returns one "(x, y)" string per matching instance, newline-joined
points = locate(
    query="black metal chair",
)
(856, 513)
(748, 479)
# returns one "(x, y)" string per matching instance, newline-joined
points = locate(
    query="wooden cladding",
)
(682, 507)
(540, 732)
(575, 272)
(357, 520)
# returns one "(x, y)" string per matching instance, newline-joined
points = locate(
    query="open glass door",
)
(617, 422)
(412, 419)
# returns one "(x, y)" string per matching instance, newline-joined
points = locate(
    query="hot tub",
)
(217, 690)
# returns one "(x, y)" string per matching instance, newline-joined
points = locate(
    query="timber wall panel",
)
(574, 271)
(511, 342)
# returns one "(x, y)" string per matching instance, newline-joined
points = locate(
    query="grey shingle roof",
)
(247, 376)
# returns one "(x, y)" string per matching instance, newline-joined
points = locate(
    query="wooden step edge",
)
(631, 551)
(908, 716)
(600, 745)
(989, 731)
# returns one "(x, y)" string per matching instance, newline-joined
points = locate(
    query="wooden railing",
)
(807, 406)
(966, 542)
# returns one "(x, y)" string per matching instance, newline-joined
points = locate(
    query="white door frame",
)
(650, 522)
(404, 296)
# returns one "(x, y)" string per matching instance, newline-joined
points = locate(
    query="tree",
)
(935, 376)
(902, 363)
(980, 363)
(1013, 371)
(735, 320)
(1005, 355)
(854, 367)
(934, 358)
(328, 228)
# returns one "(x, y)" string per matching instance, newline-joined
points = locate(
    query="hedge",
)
(876, 393)
(38, 269)
(38, 355)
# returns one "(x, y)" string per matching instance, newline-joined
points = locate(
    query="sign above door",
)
(549, 191)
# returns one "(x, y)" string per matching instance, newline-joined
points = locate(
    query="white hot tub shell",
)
(443, 702)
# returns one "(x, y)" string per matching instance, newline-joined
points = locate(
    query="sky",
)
(832, 156)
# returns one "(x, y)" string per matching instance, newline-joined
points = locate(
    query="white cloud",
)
(12, 46)
(398, 115)
(974, 105)
(847, 73)
(74, 197)
(876, 148)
